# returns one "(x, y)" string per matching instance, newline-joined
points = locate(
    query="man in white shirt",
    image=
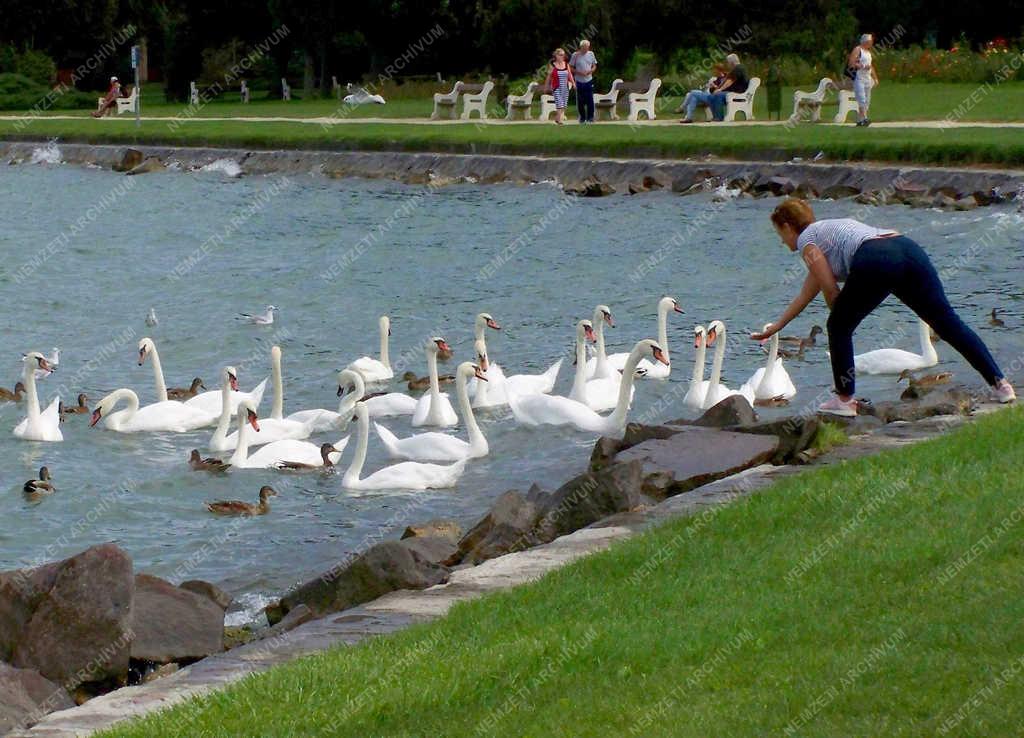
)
(584, 64)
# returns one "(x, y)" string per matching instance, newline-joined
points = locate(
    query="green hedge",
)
(18, 92)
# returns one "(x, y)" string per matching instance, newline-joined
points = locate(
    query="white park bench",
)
(606, 102)
(447, 102)
(193, 93)
(847, 105)
(475, 100)
(740, 102)
(515, 104)
(245, 92)
(811, 101)
(547, 106)
(124, 104)
(643, 102)
(286, 91)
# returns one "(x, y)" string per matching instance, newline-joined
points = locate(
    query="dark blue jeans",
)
(898, 266)
(585, 101)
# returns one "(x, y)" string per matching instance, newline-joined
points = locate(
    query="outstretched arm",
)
(819, 279)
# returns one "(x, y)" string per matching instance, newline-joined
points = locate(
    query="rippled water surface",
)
(420, 261)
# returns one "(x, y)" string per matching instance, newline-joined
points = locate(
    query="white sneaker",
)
(836, 406)
(1003, 392)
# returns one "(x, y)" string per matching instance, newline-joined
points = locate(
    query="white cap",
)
(113, 79)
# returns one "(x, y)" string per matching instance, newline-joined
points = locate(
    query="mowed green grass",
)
(882, 596)
(890, 101)
(995, 146)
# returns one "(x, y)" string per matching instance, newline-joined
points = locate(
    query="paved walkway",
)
(670, 121)
(398, 610)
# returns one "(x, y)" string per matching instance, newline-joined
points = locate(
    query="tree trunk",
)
(307, 76)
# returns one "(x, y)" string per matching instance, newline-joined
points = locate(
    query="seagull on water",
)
(151, 318)
(266, 318)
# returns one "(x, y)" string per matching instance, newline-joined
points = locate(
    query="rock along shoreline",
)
(872, 184)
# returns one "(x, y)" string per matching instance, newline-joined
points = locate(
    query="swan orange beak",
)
(96, 415)
(254, 421)
(479, 372)
(676, 307)
(492, 324)
(443, 346)
(44, 364)
(660, 355)
(588, 332)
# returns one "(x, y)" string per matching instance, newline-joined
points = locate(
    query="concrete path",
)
(669, 121)
(398, 610)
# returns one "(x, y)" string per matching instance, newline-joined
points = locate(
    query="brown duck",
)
(816, 330)
(421, 384)
(181, 393)
(325, 451)
(210, 464)
(80, 409)
(7, 396)
(237, 507)
(994, 319)
(41, 486)
(920, 386)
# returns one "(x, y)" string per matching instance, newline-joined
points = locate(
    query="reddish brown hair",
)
(795, 213)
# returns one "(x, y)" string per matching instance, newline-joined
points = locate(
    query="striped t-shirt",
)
(838, 239)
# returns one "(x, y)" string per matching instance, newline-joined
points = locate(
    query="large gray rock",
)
(152, 164)
(435, 549)
(383, 568)
(129, 160)
(952, 401)
(696, 456)
(209, 591)
(510, 525)
(174, 624)
(733, 410)
(795, 434)
(26, 696)
(79, 629)
(606, 448)
(21, 591)
(590, 497)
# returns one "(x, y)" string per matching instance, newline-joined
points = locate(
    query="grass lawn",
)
(926, 101)
(882, 596)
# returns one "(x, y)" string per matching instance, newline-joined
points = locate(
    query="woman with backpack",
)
(560, 82)
(859, 66)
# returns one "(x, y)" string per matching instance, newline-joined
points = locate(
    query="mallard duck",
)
(793, 354)
(237, 507)
(325, 450)
(816, 330)
(920, 386)
(80, 409)
(995, 320)
(180, 393)
(421, 384)
(211, 464)
(40, 486)
(7, 396)
(779, 401)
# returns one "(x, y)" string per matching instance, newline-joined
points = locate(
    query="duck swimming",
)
(247, 509)
(326, 449)
(40, 486)
(181, 393)
(210, 464)
(80, 409)
(7, 396)
(995, 320)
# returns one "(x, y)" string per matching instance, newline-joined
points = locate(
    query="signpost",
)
(138, 89)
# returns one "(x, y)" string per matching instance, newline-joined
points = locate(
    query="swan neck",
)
(242, 448)
(435, 384)
(716, 367)
(698, 363)
(618, 417)
(28, 376)
(927, 348)
(476, 436)
(277, 411)
(355, 469)
(224, 422)
(158, 375)
(773, 355)
(579, 381)
(385, 355)
(663, 330)
(600, 367)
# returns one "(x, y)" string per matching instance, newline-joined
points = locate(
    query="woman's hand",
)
(766, 333)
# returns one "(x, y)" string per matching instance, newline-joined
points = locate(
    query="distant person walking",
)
(109, 100)
(560, 82)
(583, 64)
(864, 76)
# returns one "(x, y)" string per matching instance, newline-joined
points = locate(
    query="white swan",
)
(404, 475)
(38, 426)
(597, 366)
(553, 410)
(274, 454)
(495, 392)
(648, 369)
(376, 370)
(322, 420)
(601, 391)
(172, 416)
(207, 402)
(53, 360)
(434, 407)
(716, 390)
(771, 381)
(271, 429)
(437, 446)
(894, 361)
(698, 385)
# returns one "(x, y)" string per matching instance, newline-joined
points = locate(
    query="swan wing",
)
(528, 384)
(393, 403)
(272, 454)
(431, 446)
(414, 475)
(320, 420)
(271, 430)
(170, 416)
(695, 394)
(534, 410)
(373, 370)
(888, 361)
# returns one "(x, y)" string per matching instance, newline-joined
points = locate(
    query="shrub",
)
(18, 92)
(37, 66)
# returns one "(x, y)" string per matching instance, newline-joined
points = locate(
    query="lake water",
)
(95, 250)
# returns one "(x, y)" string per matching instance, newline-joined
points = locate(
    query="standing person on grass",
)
(560, 81)
(874, 263)
(583, 64)
(864, 77)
